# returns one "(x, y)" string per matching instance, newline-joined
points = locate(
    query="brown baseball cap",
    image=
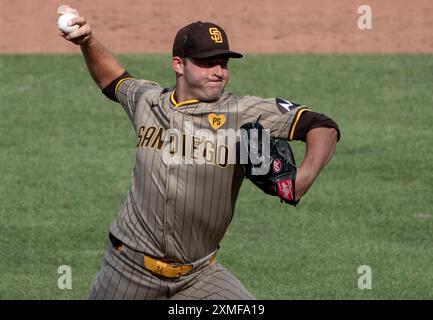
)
(202, 40)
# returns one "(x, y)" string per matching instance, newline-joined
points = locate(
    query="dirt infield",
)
(253, 26)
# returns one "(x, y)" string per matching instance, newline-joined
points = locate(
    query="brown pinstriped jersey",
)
(180, 212)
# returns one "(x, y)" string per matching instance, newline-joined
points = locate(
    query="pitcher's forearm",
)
(102, 64)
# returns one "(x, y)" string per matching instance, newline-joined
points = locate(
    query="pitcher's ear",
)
(178, 64)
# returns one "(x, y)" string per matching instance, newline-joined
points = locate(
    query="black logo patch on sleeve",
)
(285, 105)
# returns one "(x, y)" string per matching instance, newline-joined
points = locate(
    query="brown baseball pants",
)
(123, 276)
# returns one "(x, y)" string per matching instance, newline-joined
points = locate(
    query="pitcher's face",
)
(204, 79)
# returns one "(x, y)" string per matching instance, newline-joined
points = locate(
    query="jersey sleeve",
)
(129, 92)
(278, 115)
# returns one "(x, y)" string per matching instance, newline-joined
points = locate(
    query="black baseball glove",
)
(275, 172)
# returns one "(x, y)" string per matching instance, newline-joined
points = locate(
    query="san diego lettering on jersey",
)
(183, 148)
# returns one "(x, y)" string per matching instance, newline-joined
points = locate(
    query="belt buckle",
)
(167, 269)
(159, 267)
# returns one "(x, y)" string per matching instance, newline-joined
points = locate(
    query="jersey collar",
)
(183, 103)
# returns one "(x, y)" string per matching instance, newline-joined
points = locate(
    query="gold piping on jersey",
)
(118, 84)
(298, 115)
(175, 104)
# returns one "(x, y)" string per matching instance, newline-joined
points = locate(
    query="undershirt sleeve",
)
(310, 120)
(110, 90)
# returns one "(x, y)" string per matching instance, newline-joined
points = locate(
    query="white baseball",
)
(63, 25)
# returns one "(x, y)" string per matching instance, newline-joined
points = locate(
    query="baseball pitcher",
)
(187, 175)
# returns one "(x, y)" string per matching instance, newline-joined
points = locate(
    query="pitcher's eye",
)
(209, 63)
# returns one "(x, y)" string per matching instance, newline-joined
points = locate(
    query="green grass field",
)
(66, 153)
